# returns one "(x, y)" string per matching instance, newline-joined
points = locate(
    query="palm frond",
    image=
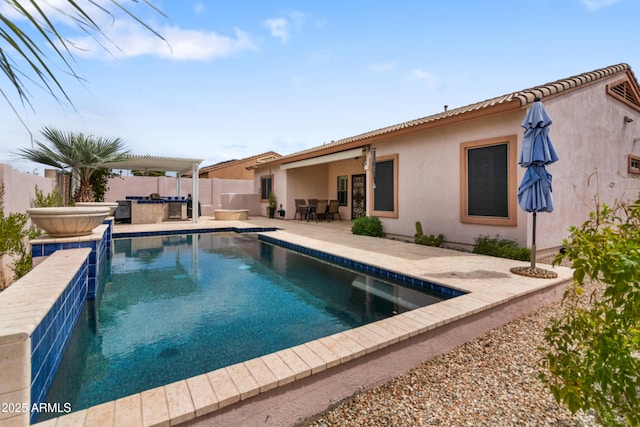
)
(30, 49)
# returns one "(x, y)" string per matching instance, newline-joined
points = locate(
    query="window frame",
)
(396, 166)
(344, 178)
(262, 179)
(511, 218)
(631, 159)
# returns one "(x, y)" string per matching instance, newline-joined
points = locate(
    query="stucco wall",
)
(347, 168)
(313, 182)
(20, 188)
(588, 131)
(209, 190)
(429, 180)
(19, 191)
(589, 134)
(235, 201)
(302, 183)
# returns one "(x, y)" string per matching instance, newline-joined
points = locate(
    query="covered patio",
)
(146, 209)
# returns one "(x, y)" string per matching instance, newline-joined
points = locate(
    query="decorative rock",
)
(489, 381)
(535, 272)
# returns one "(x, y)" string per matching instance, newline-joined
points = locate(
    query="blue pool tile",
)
(50, 248)
(37, 251)
(70, 245)
(356, 265)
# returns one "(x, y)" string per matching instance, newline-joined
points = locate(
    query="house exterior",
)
(457, 173)
(236, 169)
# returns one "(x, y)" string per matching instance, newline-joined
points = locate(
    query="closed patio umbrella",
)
(536, 144)
(535, 193)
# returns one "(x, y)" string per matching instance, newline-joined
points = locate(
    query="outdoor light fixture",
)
(628, 119)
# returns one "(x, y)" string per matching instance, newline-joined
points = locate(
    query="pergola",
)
(148, 163)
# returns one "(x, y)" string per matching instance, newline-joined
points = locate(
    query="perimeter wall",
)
(210, 190)
(20, 190)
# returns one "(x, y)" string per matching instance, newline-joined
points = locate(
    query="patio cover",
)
(327, 158)
(162, 164)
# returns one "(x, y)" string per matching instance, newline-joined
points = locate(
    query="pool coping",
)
(244, 391)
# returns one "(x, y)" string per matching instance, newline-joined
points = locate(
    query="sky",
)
(232, 79)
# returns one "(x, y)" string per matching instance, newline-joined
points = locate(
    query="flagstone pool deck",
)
(285, 387)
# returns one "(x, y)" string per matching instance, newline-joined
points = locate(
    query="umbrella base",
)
(535, 272)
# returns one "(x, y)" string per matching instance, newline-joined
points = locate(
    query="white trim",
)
(342, 155)
(154, 163)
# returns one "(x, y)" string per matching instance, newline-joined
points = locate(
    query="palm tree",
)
(34, 43)
(78, 153)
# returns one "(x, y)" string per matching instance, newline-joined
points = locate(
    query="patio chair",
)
(301, 208)
(320, 210)
(311, 207)
(334, 208)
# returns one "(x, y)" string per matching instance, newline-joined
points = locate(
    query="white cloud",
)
(382, 68)
(199, 7)
(62, 11)
(428, 79)
(282, 27)
(597, 4)
(279, 28)
(124, 36)
(179, 44)
(199, 45)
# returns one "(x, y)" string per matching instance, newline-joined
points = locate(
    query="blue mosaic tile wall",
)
(108, 233)
(51, 336)
(194, 231)
(99, 250)
(449, 292)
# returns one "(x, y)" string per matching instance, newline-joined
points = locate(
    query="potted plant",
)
(271, 206)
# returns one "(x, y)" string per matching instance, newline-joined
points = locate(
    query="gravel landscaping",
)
(490, 381)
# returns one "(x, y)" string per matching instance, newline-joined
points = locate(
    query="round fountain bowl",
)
(68, 221)
(111, 205)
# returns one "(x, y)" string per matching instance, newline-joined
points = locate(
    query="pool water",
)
(178, 306)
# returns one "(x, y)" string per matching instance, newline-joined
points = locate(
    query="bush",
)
(502, 248)
(367, 226)
(593, 350)
(14, 238)
(99, 180)
(430, 240)
(52, 200)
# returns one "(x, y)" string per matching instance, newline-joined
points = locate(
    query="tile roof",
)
(509, 101)
(226, 163)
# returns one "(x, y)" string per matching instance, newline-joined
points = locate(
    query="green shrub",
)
(99, 180)
(503, 248)
(429, 240)
(367, 226)
(591, 359)
(14, 235)
(51, 200)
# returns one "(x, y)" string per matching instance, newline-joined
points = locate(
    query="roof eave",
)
(406, 128)
(510, 102)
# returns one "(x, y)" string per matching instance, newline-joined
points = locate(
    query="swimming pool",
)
(180, 305)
